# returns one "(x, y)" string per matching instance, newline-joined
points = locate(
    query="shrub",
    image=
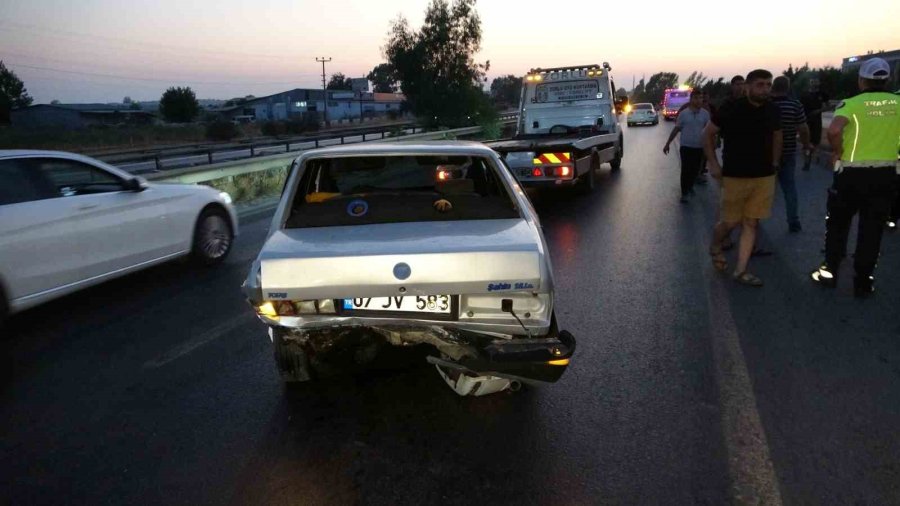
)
(273, 128)
(295, 126)
(221, 131)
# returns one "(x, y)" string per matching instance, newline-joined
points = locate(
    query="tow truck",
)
(568, 125)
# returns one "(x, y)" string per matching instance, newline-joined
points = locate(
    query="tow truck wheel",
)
(588, 180)
(616, 163)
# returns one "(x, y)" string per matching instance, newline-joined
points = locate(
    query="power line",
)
(80, 63)
(150, 79)
(43, 32)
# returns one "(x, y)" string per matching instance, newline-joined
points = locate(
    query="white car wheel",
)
(213, 237)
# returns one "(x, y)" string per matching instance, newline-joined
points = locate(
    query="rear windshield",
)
(678, 94)
(644, 106)
(394, 189)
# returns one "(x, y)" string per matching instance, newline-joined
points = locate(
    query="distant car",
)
(643, 114)
(408, 244)
(68, 222)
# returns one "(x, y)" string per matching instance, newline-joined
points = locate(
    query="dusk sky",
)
(102, 50)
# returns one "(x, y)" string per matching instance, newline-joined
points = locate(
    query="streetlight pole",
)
(323, 61)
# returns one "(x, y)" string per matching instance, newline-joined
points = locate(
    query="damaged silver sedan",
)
(409, 244)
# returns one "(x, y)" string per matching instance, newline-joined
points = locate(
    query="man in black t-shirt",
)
(814, 104)
(751, 129)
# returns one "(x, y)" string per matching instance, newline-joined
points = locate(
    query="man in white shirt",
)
(690, 124)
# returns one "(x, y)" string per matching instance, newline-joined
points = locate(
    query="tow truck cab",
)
(568, 125)
(557, 100)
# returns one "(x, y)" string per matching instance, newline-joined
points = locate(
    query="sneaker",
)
(863, 286)
(824, 277)
(795, 228)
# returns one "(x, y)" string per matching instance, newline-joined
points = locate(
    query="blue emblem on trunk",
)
(402, 271)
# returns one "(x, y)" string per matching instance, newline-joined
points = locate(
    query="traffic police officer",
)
(864, 138)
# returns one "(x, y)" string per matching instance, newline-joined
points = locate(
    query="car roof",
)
(403, 148)
(32, 153)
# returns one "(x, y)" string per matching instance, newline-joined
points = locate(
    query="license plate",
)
(439, 304)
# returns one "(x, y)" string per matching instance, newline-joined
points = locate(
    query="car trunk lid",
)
(449, 258)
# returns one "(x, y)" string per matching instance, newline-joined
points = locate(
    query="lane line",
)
(750, 467)
(204, 338)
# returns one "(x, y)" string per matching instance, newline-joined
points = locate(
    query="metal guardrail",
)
(158, 157)
(193, 175)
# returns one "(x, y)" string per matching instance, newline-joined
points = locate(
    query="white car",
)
(643, 114)
(403, 244)
(68, 222)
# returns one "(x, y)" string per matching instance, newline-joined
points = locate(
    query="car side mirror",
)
(136, 184)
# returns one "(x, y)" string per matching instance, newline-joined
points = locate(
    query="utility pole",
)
(323, 61)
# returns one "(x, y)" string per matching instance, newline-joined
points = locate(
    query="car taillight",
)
(274, 309)
(537, 172)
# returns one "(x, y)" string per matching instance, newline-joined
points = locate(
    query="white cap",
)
(875, 68)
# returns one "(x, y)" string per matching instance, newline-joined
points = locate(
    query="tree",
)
(12, 93)
(339, 82)
(696, 79)
(54, 102)
(436, 66)
(637, 94)
(127, 100)
(717, 90)
(135, 106)
(658, 84)
(384, 77)
(179, 105)
(506, 90)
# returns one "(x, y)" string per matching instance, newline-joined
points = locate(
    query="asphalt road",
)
(686, 388)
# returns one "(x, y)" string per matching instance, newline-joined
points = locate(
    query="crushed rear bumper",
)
(529, 360)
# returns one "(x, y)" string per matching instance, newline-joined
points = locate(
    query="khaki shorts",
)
(747, 197)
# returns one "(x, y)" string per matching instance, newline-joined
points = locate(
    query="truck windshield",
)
(368, 190)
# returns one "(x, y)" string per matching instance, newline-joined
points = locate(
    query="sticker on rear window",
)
(357, 208)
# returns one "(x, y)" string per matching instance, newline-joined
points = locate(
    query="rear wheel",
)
(588, 180)
(291, 359)
(616, 163)
(213, 237)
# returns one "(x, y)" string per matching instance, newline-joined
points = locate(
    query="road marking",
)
(206, 337)
(750, 468)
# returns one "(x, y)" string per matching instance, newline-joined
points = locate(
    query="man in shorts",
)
(751, 129)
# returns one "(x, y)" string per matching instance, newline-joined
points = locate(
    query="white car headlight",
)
(225, 197)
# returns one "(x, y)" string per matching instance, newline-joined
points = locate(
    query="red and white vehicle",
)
(673, 100)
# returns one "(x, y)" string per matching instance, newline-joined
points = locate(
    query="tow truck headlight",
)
(225, 197)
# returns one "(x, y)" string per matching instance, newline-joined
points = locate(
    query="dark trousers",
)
(691, 159)
(895, 212)
(869, 192)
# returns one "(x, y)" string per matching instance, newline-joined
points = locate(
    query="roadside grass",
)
(248, 188)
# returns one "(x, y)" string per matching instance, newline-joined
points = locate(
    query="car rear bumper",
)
(528, 359)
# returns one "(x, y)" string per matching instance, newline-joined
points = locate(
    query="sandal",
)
(720, 263)
(745, 278)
